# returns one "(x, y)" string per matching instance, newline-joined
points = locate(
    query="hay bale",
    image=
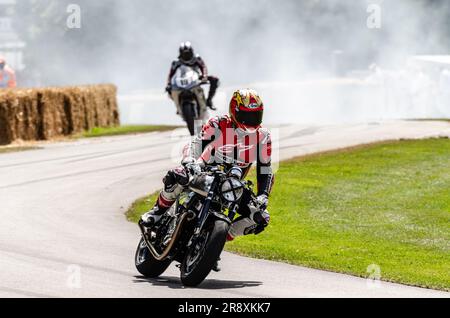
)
(46, 113)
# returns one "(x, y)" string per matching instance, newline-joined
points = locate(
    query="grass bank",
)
(125, 130)
(8, 149)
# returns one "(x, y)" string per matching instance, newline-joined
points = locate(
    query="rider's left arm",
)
(265, 178)
(201, 63)
(201, 147)
(265, 175)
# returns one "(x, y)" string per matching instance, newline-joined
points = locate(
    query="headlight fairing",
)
(232, 190)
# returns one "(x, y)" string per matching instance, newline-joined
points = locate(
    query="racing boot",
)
(210, 104)
(153, 216)
(214, 84)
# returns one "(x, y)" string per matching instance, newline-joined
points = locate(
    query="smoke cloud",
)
(132, 43)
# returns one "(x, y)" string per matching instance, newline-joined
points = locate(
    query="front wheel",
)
(202, 257)
(146, 264)
(189, 117)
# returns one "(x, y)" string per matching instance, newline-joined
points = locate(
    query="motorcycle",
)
(189, 96)
(194, 232)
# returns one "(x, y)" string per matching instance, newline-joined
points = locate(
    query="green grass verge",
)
(386, 204)
(431, 119)
(15, 149)
(125, 130)
(102, 132)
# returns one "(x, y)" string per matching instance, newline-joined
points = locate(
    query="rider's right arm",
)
(202, 145)
(173, 69)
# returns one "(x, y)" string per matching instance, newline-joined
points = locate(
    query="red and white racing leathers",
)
(220, 142)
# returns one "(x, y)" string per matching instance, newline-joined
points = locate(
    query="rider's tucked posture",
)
(189, 58)
(235, 140)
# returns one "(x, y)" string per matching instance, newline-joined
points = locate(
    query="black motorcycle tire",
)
(213, 248)
(150, 267)
(189, 116)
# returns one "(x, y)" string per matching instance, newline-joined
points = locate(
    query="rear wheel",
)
(189, 116)
(146, 264)
(202, 257)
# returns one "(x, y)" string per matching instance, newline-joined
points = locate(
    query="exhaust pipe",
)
(163, 255)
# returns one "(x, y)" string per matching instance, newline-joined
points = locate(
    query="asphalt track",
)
(63, 232)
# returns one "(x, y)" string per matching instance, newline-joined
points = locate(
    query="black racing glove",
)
(192, 166)
(169, 89)
(262, 201)
(262, 216)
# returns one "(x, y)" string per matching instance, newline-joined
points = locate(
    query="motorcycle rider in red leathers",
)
(237, 139)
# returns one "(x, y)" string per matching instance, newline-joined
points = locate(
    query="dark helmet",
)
(186, 53)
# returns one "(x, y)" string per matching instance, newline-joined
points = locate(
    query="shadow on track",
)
(175, 283)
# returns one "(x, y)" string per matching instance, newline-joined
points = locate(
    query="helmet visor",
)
(251, 119)
(187, 56)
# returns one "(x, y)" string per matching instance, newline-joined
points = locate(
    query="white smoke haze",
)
(282, 48)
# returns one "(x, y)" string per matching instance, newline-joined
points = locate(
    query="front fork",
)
(232, 212)
(205, 212)
(206, 207)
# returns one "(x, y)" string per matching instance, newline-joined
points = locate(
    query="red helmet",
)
(247, 109)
